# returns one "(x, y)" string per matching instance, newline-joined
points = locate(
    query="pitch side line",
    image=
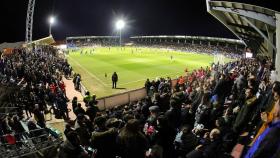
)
(92, 75)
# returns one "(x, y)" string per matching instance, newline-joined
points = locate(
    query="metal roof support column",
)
(259, 31)
(277, 60)
(29, 21)
(269, 47)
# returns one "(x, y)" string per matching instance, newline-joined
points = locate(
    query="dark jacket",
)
(132, 146)
(67, 150)
(202, 115)
(115, 77)
(165, 138)
(189, 142)
(244, 115)
(91, 111)
(267, 144)
(173, 116)
(105, 143)
(83, 133)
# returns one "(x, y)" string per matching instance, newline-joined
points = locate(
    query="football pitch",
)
(133, 66)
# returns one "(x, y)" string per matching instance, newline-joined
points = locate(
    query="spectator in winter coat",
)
(132, 143)
(203, 111)
(246, 111)
(267, 144)
(71, 147)
(104, 139)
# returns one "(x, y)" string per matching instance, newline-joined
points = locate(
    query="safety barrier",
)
(121, 98)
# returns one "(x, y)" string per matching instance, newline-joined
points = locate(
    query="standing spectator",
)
(74, 103)
(165, 136)
(71, 147)
(104, 139)
(114, 80)
(82, 130)
(62, 87)
(203, 111)
(267, 143)
(245, 113)
(77, 82)
(39, 116)
(92, 110)
(79, 110)
(147, 85)
(62, 106)
(131, 141)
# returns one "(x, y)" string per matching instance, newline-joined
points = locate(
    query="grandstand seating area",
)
(229, 50)
(205, 114)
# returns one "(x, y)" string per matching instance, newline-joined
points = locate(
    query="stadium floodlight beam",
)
(120, 25)
(51, 22)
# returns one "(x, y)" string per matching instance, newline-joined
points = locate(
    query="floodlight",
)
(120, 24)
(51, 20)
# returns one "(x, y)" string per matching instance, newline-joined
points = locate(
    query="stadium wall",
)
(121, 98)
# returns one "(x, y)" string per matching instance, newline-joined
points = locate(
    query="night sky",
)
(96, 17)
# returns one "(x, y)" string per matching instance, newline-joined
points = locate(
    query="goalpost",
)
(219, 58)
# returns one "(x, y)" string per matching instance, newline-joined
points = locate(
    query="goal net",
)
(219, 58)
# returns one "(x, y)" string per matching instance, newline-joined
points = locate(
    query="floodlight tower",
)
(51, 22)
(29, 21)
(120, 25)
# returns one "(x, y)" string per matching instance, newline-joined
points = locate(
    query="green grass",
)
(133, 67)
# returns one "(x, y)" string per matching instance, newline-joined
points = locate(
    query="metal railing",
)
(27, 143)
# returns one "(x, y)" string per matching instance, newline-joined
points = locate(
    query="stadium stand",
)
(220, 111)
(92, 41)
(198, 44)
(30, 83)
(206, 112)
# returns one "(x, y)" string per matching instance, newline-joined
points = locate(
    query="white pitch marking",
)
(92, 75)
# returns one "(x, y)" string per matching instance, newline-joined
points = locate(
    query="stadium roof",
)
(195, 38)
(90, 37)
(43, 41)
(252, 24)
(10, 45)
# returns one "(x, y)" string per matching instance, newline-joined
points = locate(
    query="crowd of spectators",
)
(204, 114)
(92, 43)
(229, 51)
(31, 86)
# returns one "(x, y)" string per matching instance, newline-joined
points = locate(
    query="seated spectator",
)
(186, 141)
(211, 147)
